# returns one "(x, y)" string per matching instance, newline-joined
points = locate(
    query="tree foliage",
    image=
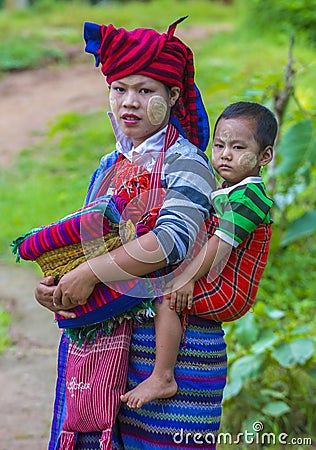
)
(290, 16)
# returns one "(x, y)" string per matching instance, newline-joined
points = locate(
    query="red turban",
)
(144, 51)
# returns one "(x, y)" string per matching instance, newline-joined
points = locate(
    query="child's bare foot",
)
(150, 389)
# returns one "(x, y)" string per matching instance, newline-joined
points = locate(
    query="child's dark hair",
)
(267, 125)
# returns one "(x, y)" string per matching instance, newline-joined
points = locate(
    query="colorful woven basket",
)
(59, 261)
(87, 233)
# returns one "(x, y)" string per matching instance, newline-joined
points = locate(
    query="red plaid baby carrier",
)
(227, 292)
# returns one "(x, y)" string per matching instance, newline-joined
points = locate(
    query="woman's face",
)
(141, 105)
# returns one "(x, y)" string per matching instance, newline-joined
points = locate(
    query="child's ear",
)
(266, 156)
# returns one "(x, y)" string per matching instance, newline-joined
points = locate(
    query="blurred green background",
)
(256, 50)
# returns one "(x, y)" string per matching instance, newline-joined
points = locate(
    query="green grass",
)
(233, 61)
(230, 56)
(50, 180)
(45, 30)
(5, 321)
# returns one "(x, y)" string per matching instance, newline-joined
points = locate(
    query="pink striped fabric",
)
(155, 199)
(95, 379)
(85, 224)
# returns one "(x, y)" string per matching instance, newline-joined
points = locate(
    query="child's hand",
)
(181, 297)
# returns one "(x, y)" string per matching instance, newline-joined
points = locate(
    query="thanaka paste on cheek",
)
(156, 109)
(113, 106)
(247, 160)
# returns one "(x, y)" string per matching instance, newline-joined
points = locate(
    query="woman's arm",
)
(136, 258)
(188, 182)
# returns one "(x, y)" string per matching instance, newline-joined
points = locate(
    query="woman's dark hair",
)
(267, 125)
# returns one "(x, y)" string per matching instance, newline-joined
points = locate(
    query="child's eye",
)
(218, 146)
(238, 147)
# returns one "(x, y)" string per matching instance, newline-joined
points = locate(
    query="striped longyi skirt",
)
(189, 420)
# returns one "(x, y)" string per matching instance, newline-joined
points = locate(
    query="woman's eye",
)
(117, 89)
(145, 91)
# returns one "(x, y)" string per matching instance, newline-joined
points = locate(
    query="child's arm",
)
(181, 288)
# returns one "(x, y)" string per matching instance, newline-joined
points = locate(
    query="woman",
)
(159, 122)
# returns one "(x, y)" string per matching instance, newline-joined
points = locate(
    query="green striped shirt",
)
(240, 209)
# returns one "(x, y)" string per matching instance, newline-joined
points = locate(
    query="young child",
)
(238, 246)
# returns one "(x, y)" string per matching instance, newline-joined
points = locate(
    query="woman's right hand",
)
(44, 292)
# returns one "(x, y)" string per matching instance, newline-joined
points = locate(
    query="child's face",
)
(235, 152)
(141, 106)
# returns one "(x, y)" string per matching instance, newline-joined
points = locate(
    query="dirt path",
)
(27, 370)
(30, 99)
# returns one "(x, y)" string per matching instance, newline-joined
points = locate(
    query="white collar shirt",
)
(146, 153)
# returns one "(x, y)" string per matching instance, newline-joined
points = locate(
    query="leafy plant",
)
(297, 156)
(268, 368)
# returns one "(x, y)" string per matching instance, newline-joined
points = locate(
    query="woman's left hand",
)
(75, 287)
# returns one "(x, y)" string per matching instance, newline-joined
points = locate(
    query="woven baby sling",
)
(229, 291)
(96, 370)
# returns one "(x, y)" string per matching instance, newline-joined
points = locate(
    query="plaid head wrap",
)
(162, 57)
